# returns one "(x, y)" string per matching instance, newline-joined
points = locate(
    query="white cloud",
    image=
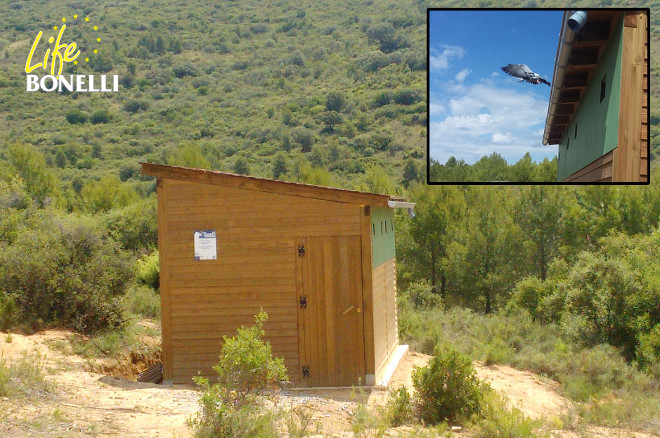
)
(460, 77)
(457, 86)
(501, 138)
(436, 109)
(484, 119)
(440, 60)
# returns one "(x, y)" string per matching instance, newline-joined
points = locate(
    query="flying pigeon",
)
(524, 73)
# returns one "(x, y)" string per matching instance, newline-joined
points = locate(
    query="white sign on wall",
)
(205, 245)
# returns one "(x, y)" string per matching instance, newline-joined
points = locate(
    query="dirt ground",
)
(85, 403)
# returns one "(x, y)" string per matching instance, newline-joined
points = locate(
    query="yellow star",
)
(75, 16)
(63, 19)
(86, 59)
(55, 27)
(95, 50)
(75, 62)
(98, 40)
(86, 18)
(96, 28)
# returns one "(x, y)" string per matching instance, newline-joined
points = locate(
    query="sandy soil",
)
(86, 403)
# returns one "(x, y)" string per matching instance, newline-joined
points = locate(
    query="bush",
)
(75, 116)
(65, 271)
(135, 226)
(245, 370)
(527, 295)
(181, 71)
(305, 138)
(8, 311)
(648, 350)
(421, 296)
(399, 408)
(498, 420)
(148, 270)
(100, 116)
(133, 106)
(142, 301)
(447, 389)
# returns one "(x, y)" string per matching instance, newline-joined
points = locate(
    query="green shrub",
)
(8, 311)
(143, 301)
(648, 350)
(100, 116)
(447, 389)
(498, 420)
(230, 422)
(133, 106)
(527, 294)
(366, 424)
(421, 295)
(231, 408)
(148, 270)
(399, 408)
(75, 116)
(65, 271)
(497, 351)
(135, 226)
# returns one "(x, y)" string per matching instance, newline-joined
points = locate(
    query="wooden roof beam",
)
(572, 80)
(265, 185)
(584, 56)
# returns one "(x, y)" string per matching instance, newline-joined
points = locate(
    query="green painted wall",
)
(597, 122)
(382, 235)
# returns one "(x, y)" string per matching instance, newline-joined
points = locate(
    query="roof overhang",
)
(578, 54)
(270, 185)
(399, 203)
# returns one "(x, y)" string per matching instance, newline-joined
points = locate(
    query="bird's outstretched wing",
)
(518, 70)
(523, 72)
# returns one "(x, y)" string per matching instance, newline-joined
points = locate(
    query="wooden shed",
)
(599, 105)
(318, 260)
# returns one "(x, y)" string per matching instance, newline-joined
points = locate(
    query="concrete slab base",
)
(391, 365)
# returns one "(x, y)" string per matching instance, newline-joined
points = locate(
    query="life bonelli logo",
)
(59, 53)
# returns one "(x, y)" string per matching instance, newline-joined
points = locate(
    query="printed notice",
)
(205, 245)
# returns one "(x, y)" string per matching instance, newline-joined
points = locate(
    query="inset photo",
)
(540, 96)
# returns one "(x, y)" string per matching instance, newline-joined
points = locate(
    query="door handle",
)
(349, 309)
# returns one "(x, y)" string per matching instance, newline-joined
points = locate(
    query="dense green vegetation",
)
(494, 168)
(340, 87)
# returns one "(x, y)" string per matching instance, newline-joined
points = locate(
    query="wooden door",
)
(330, 317)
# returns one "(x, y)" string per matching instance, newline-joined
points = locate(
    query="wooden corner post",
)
(163, 256)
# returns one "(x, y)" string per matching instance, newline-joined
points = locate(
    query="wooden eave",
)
(265, 185)
(585, 54)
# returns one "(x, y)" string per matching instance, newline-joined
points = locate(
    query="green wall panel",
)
(597, 122)
(382, 235)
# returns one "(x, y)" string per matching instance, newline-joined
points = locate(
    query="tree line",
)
(493, 168)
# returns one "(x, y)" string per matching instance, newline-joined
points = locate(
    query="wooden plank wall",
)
(599, 170)
(256, 234)
(385, 317)
(633, 134)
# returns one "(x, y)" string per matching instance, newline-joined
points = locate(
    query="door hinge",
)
(301, 251)
(303, 301)
(305, 371)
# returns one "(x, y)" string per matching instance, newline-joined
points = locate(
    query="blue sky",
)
(475, 108)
